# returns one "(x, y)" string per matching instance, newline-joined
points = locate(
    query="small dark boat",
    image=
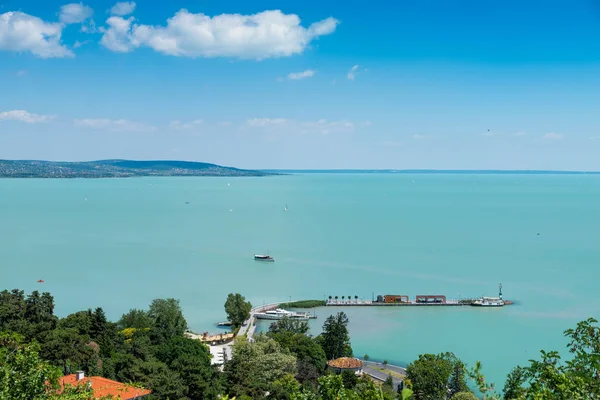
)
(263, 257)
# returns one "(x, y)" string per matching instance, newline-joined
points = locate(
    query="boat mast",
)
(500, 292)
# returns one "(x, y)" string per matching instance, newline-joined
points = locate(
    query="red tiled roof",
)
(345, 363)
(103, 387)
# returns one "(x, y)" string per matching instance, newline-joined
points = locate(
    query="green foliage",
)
(67, 349)
(237, 309)
(284, 388)
(306, 350)
(464, 396)
(287, 324)
(458, 381)
(138, 319)
(256, 365)
(167, 319)
(429, 375)
(25, 376)
(335, 338)
(303, 304)
(349, 379)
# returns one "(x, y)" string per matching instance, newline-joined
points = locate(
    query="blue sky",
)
(405, 84)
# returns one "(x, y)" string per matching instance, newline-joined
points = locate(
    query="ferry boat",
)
(263, 257)
(281, 313)
(488, 302)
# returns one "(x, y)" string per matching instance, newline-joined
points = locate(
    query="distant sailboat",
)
(85, 198)
(285, 208)
(231, 209)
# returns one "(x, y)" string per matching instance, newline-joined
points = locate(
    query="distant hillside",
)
(116, 169)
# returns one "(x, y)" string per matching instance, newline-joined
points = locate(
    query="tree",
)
(167, 320)
(284, 388)
(135, 319)
(550, 378)
(24, 375)
(385, 363)
(464, 396)
(366, 357)
(255, 366)
(429, 375)
(304, 348)
(237, 309)
(191, 360)
(335, 338)
(287, 324)
(457, 378)
(349, 379)
(66, 348)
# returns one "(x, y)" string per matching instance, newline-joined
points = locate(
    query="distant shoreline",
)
(117, 169)
(429, 171)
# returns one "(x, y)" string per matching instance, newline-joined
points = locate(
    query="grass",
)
(394, 374)
(303, 304)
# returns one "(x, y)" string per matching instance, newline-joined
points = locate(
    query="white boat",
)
(488, 302)
(263, 257)
(281, 313)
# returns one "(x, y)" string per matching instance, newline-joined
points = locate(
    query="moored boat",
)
(488, 302)
(280, 314)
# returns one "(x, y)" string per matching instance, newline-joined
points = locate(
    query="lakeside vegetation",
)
(304, 304)
(116, 169)
(148, 348)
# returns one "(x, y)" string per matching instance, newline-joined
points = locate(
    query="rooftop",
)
(103, 387)
(345, 363)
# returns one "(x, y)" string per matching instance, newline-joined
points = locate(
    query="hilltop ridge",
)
(116, 169)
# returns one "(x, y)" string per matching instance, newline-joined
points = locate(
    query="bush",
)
(464, 396)
(303, 304)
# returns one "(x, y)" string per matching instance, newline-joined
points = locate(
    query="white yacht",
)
(281, 313)
(488, 302)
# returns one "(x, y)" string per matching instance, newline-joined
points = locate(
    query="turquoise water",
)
(134, 240)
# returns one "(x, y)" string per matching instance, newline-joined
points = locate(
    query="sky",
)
(404, 84)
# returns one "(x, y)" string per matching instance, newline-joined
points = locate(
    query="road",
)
(370, 369)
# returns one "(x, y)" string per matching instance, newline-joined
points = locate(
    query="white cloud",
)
(325, 127)
(75, 13)
(322, 126)
(418, 136)
(24, 116)
(352, 73)
(301, 75)
(263, 122)
(520, 133)
(258, 36)
(553, 136)
(123, 8)
(115, 125)
(180, 126)
(22, 32)
(21, 72)
(595, 137)
(366, 123)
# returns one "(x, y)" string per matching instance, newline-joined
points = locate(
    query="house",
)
(103, 387)
(342, 364)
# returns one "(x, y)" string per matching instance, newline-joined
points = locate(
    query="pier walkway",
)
(248, 328)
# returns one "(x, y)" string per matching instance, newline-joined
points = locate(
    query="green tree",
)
(513, 387)
(335, 338)
(191, 360)
(457, 381)
(464, 396)
(284, 388)
(135, 318)
(287, 324)
(304, 348)
(25, 376)
(237, 309)
(366, 357)
(256, 365)
(429, 375)
(349, 379)
(167, 320)
(68, 349)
